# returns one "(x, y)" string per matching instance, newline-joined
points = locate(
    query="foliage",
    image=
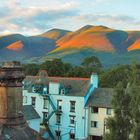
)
(56, 67)
(125, 125)
(92, 64)
(31, 69)
(110, 78)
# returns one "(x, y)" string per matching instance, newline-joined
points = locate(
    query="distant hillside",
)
(88, 36)
(98, 38)
(110, 45)
(135, 45)
(19, 47)
(54, 34)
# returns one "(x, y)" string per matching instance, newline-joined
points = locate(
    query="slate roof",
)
(79, 86)
(30, 113)
(101, 97)
(18, 133)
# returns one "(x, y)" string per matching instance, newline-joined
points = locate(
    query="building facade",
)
(70, 108)
(66, 116)
(99, 109)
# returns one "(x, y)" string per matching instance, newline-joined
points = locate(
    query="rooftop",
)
(101, 97)
(30, 113)
(78, 86)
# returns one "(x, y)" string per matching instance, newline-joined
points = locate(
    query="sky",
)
(31, 17)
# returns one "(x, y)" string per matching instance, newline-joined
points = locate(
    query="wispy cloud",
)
(19, 18)
(35, 16)
(109, 20)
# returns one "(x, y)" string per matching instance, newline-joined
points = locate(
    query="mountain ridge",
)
(73, 46)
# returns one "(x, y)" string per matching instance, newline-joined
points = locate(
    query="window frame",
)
(94, 110)
(45, 116)
(94, 124)
(72, 120)
(33, 101)
(45, 104)
(72, 136)
(72, 106)
(58, 133)
(58, 119)
(108, 111)
(59, 105)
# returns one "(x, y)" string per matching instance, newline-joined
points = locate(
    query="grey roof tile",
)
(30, 113)
(101, 97)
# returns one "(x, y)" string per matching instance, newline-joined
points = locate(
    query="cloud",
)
(109, 20)
(42, 19)
(37, 18)
(34, 16)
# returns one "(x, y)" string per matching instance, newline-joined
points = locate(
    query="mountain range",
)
(109, 45)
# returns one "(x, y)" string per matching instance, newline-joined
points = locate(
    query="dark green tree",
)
(56, 67)
(134, 92)
(92, 64)
(31, 69)
(111, 77)
(78, 72)
(125, 125)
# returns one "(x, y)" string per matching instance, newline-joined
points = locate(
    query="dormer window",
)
(45, 90)
(33, 89)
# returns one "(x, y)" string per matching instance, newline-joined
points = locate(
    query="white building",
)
(37, 101)
(99, 108)
(66, 116)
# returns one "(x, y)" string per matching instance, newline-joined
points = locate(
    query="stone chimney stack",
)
(12, 123)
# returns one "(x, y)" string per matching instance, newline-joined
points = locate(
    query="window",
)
(45, 103)
(62, 91)
(45, 116)
(33, 101)
(24, 99)
(72, 120)
(58, 133)
(94, 124)
(72, 136)
(45, 90)
(108, 111)
(59, 105)
(72, 106)
(94, 110)
(58, 119)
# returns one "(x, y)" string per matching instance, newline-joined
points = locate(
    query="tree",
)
(56, 67)
(125, 125)
(31, 69)
(78, 72)
(134, 92)
(111, 77)
(92, 64)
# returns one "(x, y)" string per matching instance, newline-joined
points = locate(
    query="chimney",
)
(94, 79)
(12, 123)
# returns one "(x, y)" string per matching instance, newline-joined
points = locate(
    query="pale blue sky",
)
(31, 17)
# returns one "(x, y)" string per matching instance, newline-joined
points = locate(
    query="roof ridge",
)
(71, 78)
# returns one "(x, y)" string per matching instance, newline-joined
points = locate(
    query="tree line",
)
(107, 77)
(125, 125)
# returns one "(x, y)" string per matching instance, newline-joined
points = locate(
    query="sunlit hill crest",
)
(100, 41)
